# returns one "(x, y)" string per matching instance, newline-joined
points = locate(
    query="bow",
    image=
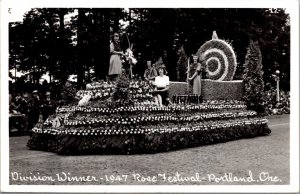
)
(129, 55)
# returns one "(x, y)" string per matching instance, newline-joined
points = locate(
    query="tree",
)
(156, 30)
(253, 79)
(65, 43)
(81, 50)
(49, 43)
(16, 47)
(45, 43)
(275, 41)
(101, 45)
(93, 39)
(153, 36)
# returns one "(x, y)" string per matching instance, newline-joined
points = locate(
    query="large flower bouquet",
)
(138, 91)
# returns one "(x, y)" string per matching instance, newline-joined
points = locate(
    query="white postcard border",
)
(291, 5)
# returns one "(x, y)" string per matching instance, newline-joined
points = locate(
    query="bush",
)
(253, 79)
(274, 108)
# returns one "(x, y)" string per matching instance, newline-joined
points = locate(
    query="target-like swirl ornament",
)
(219, 59)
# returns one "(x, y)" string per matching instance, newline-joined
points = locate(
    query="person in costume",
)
(115, 63)
(196, 72)
(34, 110)
(161, 92)
(48, 106)
(150, 72)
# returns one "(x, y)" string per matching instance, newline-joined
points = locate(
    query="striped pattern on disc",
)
(220, 60)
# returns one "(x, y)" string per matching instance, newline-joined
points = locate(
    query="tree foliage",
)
(253, 79)
(46, 42)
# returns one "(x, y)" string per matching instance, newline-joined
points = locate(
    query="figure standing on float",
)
(197, 75)
(115, 63)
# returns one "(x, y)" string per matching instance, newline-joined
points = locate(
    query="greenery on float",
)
(253, 79)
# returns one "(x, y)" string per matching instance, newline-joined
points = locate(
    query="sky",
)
(16, 13)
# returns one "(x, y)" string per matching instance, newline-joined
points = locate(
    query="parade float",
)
(122, 118)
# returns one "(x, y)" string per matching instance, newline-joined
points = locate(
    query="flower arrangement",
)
(96, 94)
(153, 109)
(138, 90)
(108, 120)
(150, 139)
(100, 85)
(114, 130)
(130, 57)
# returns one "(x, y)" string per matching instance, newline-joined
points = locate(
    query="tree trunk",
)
(61, 14)
(106, 42)
(80, 48)
(116, 20)
(98, 52)
(102, 53)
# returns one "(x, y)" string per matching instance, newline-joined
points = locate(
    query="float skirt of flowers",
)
(150, 139)
(122, 118)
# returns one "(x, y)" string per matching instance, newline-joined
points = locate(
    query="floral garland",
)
(134, 120)
(121, 130)
(154, 109)
(133, 143)
(224, 102)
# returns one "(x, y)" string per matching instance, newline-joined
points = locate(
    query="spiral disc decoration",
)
(219, 59)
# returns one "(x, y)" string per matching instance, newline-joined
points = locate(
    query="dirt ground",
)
(260, 160)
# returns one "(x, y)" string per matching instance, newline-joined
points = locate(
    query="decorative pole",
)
(277, 78)
(15, 72)
(130, 63)
(188, 75)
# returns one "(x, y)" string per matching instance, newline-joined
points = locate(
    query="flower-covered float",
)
(122, 118)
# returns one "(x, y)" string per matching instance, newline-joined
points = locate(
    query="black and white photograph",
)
(150, 96)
